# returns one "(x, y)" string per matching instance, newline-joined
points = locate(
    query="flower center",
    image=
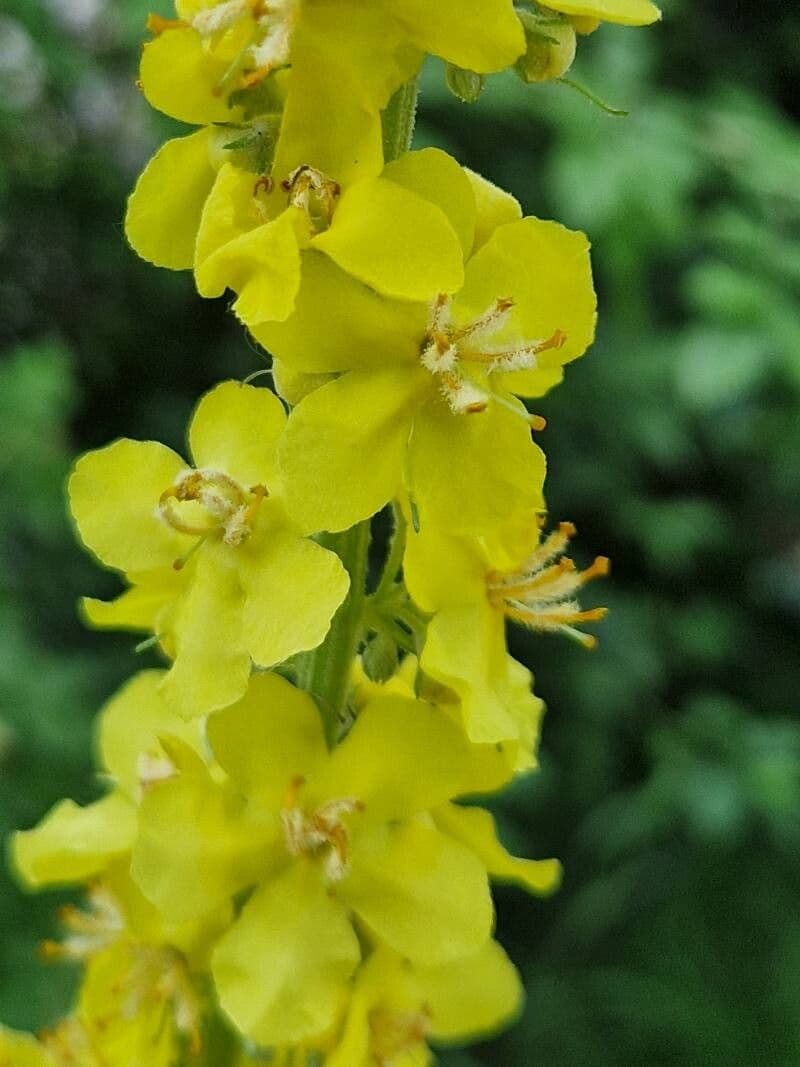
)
(450, 352)
(155, 975)
(394, 1033)
(542, 594)
(203, 502)
(314, 193)
(321, 833)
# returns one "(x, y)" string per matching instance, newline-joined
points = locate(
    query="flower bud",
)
(584, 24)
(550, 48)
(465, 84)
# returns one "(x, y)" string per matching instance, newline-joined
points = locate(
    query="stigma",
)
(451, 352)
(542, 595)
(321, 833)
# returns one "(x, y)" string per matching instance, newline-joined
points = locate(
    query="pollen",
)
(205, 502)
(458, 355)
(542, 595)
(321, 833)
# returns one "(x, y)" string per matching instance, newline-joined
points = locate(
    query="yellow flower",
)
(396, 1008)
(429, 392)
(217, 570)
(471, 586)
(213, 62)
(328, 839)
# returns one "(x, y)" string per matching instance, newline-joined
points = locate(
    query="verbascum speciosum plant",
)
(289, 863)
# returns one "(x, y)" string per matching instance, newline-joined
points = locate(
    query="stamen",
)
(541, 595)
(157, 24)
(314, 193)
(448, 349)
(204, 502)
(322, 833)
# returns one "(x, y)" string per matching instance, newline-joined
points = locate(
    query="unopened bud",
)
(465, 84)
(550, 51)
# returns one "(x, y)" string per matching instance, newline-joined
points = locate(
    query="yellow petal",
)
(235, 429)
(212, 664)
(625, 12)
(465, 650)
(72, 843)
(360, 73)
(393, 240)
(293, 588)
(545, 269)
(435, 176)
(479, 35)
(404, 756)
(282, 971)
(139, 607)
(475, 829)
(471, 998)
(419, 891)
(270, 737)
(469, 473)
(195, 849)
(130, 724)
(164, 209)
(495, 207)
(339, 324)
(327, 483)
(444, 571)
(114, 494)
(179, 76)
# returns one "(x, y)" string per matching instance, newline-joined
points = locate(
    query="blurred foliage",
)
(670, 781)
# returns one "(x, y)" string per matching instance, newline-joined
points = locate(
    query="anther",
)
(157, 24)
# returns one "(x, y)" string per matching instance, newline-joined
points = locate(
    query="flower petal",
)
(469, 473)
(495, 207)
(465, 650)
(360, 73)
(339, 324)
(130, 724)
(393, 240)
(235, 429)
(435, 176)
(479, 35)
(23, 1050)
(139, 607)
(625, 12)
(212, 664)
(72, 843)
(328, 484)
(114, 494)
(422, 893)
(475, 829)
(546, 270)
(164, 209)
(293, 588)
(404, 756)
(471, 998)
(271, 736)
(178, 77)
(195, 848)
(282, 970)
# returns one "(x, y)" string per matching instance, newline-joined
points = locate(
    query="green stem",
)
(325, 672)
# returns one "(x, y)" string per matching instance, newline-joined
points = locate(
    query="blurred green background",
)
(670, 779)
